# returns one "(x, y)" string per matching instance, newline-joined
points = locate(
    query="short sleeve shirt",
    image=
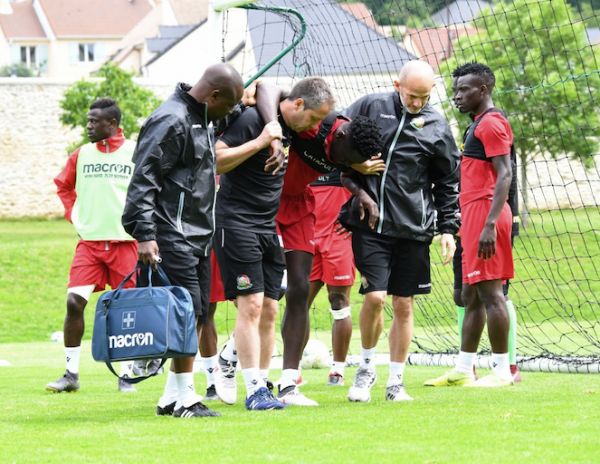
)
(478, 177)
(248, 197)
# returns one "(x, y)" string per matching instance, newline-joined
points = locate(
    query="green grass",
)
(556, 289)
(549, 418)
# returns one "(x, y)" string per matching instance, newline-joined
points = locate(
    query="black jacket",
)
(172, 192)
(420, 183)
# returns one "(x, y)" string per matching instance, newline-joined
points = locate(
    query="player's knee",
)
(338, 300)
(297, 289)
(341, 314)
(269, 310)
(375, 300)
(249, 307)
(75, 304)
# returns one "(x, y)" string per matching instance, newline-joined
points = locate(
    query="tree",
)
(136, 103)
(546, 78)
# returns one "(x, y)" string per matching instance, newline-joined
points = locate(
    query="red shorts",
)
(217, 291)
(296, 222)
(102, 263)
(500, 266)
(333, 263)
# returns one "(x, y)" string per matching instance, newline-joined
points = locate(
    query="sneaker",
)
(69, 382)
(361, 388)
(263, 400)
(145, 367)
(516, 373)
(451, 378)
(225, 382)
(195, 410)
(166, 410)
(125, 386)
(397, 393)
(490, 381)
(211, 393)
(270, 385)
(335, 379)
(292, 396)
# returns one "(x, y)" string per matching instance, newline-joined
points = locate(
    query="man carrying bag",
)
(170, 202)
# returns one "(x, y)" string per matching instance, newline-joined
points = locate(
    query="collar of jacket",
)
(193, 104)
(113, 143)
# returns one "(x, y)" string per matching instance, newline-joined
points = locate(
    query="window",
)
(28, 55)
(86, 53)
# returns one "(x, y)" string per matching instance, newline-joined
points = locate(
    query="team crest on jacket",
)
(243, 282)
(418, 123)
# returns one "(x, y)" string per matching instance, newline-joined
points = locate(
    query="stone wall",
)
(33, 151)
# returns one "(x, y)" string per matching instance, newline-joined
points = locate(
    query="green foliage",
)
(17, 69)
(547, 76)
(136, 102)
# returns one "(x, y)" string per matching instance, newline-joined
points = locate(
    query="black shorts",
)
(188, 271)
(399, 266)
(250, 262)
(457, 268)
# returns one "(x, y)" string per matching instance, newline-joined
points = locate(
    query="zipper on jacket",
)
(180, 212)
(423, 216)
(214, 166)
(384, 175)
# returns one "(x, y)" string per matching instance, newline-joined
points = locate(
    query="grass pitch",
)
(549, 418)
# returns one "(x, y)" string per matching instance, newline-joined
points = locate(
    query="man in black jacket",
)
(393, 217)
(170, 204)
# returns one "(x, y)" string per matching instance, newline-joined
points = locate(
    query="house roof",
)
(22, 23)
(335, 43)
(92, 18)
(434, 45)
(160, 45)
(168, 36)
(361, 11)
(461, 11)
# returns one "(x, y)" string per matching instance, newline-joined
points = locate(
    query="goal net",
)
(546, 55)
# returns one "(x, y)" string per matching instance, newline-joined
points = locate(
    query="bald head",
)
(414, 85)
(222, 76)
(221, 88)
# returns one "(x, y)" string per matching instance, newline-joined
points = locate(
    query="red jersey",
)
(478, 176)
(299, 174)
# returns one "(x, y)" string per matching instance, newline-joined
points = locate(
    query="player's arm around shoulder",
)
(244, 139)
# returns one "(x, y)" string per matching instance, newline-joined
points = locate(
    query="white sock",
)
(72, 357)
(209, 365)
(288, 377)
(396, 373)
(465, 362)
(186, 395)
(264, 374)
(126, 369)
(338, 366)
(229, 352)
(253, 380)
(171, 390)
(501, 366)
(367, 358)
